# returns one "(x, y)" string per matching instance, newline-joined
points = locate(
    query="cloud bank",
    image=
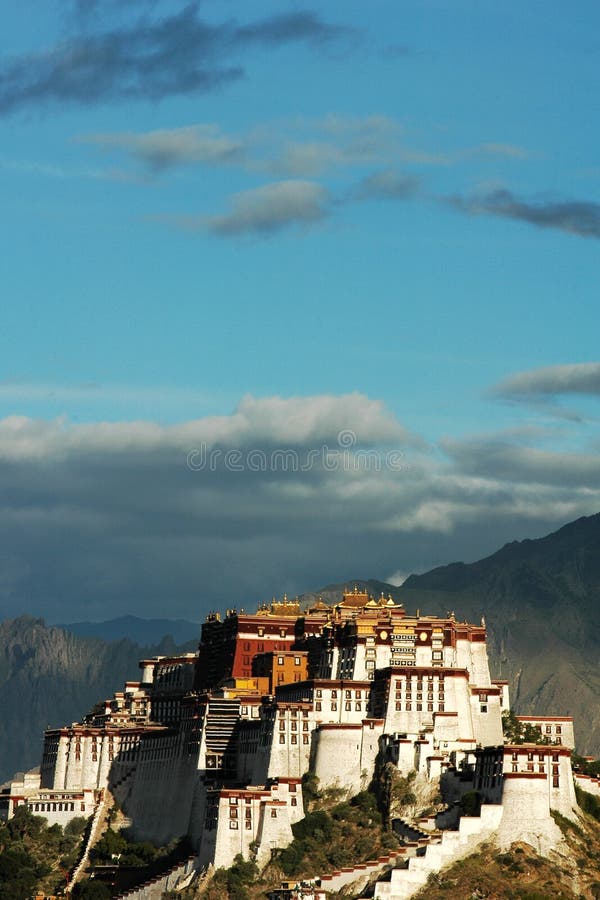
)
(283, 494)
(164, 148)
(551, 381)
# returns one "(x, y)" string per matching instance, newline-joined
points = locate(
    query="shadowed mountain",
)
(140, 631)
(51, 677)
(541, 602)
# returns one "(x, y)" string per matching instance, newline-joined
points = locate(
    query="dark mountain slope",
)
(140, 631)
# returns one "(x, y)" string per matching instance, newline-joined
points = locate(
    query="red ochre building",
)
(228, 646)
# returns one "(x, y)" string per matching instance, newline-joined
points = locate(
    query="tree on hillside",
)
(516, 732)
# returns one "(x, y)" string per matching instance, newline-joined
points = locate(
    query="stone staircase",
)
(440, 849)
(97, 829)
(175, 879)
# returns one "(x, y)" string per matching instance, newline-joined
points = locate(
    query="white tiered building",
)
(214, 745)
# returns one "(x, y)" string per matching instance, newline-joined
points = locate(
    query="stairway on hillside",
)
(441, 849)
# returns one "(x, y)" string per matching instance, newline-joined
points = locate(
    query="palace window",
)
(318, 706)
(282, 738)
(296, 660)
(358, 706)
(305, 739)
(430, 707)
(555, 781)
(348, 705)
(548, 729)
(408, 707)
(334, 704)
(273, 813)
(559, 729)
(419, 707)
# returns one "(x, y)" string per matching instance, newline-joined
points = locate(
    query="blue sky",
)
(205, 202)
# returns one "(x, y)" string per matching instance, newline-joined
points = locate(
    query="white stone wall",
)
(504, 694)
(237, 819)
(451, 693)
(406, 756)
(336, 759)
(446, 730)
(60, 808)
(57, 807)
(160, 802)
(562, 798)
(479, 670)
(486, 715)
(525, 813)
(588, 784)
(372, 731)
(275, 829)
(290, 742)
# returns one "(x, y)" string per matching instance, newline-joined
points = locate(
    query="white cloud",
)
(271, 208)
(164, 148)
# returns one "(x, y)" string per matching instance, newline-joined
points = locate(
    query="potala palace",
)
(214, 744)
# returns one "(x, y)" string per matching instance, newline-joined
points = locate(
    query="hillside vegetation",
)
(35, 857)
